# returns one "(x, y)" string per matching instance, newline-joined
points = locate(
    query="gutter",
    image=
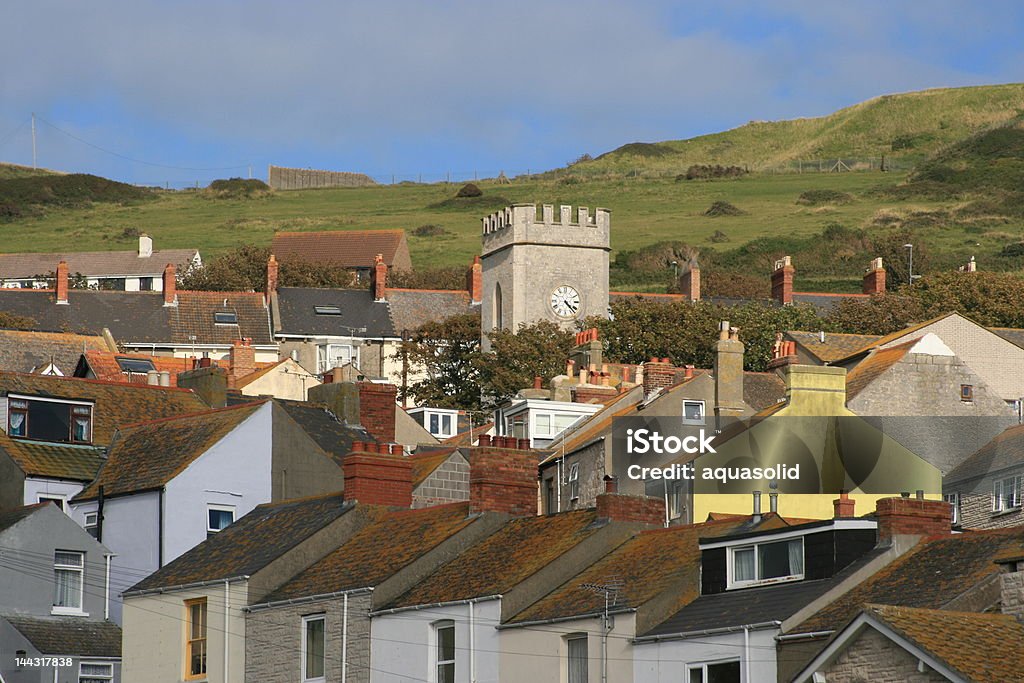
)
(468, 601)
(184, 586)
(559, 620)
(305, 599)
(813, 635)
(760, 626)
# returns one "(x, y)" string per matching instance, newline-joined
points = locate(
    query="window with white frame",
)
(314, 657)
(676, 499)
(444, 649)
(693, 412)
(49, 419)
(92, 523)
(440, 424)
(68, 579)
(1006, 493)
(954, 503)
(766, 563)
(330, 356)
(573, 480)
(577, 656)
(95, 672)
(714, 672)
(218, 517)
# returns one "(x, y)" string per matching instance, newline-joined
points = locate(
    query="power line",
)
(133, 160)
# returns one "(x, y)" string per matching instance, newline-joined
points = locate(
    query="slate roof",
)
(33, 351)
(323, 426)
(1010, 334)
(762, 389)
(148, 455)
(297, 313)
(981, 647)
(94, 263)
(931, 575)
(834, 347)
(498, 563)
(413, 308)
(347, 248)
(379, 550)
(251, 543)
(69, 636)
(116, 404)
(647, 564)
(141, 317)
(754, 605)
(12, 516)
(1004, 451)
(104, 366)
(54, 460)
(874, 366)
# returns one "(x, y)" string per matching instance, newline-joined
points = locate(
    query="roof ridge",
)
(94, 381)
(198, 413)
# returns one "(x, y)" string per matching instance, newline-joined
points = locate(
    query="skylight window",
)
(225, 318)
(141, 365)
(327, 310)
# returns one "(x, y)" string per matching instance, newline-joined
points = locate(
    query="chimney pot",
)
(611, 483)
(538, 382)
(844, 506)
(397, 449)
(757, 505)
(484, 440)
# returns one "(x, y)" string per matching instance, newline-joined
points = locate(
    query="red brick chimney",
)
(503, 479)
(690, 281)
(379, 278)
(273, 272)
(844, 506)
(475, 281)
(782, 281)
(241, 359)
(170, 286)
(374, 478)
(618, 507)
(912, 516)
(62, 282)
(874, 278)
(377, 404)
(658, 374)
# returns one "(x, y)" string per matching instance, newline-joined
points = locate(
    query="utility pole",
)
(33, 140)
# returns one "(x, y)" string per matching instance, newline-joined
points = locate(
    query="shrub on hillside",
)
(819, 197)
(27, 195)
(710, 172)
(723, 208)
(237, 188)
(469, 190)
(430, 230)
(717, 237)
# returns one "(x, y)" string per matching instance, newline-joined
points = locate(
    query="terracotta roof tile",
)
(148, 455)
(379, 550)
(116, 404)
(347, 248)
(834, 347)
(981, 647)
(54, 460)
(929, 576)
(104, 365)
(194, 317)
(251, 543)
(32, 351)
(508, 556)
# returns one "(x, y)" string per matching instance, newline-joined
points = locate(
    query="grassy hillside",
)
(908, 126)
(17, 171)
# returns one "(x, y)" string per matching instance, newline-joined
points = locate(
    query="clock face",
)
(565, 302)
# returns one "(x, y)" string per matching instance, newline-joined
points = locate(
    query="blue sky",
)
(410, 88)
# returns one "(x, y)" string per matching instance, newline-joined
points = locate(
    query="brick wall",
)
(624, 508)
(273, 640)
(448, 483)
(503, 480)
(913, 517)
(377, 403)
(378, 479)
(873, 657)
(658, 374)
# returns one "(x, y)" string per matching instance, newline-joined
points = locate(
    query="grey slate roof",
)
(251, 543)
(413, 308)
(1003, 452)
(754, 605)
(141, 317)
(9, 518)
(358, 309)
(94, 263)
(325, 428)
(69, 636)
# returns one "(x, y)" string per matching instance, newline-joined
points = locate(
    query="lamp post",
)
(910, 264)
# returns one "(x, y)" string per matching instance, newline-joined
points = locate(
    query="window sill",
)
(764, 582)
(68, 612)
(1008, 511)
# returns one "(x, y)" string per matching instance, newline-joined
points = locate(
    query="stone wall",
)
(281, 178)
(875, 658)
(273, 642)
(976, 512)
(449, 483)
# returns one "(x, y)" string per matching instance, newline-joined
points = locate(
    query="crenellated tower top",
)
(522, 223)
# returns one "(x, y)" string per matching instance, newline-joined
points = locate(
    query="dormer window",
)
(225, 318)
(763, 563)
(135, 367)
(49, 419)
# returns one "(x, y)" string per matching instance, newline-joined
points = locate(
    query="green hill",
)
(18, 171)
(907, 126)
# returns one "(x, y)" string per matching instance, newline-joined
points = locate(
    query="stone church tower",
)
(544, 267)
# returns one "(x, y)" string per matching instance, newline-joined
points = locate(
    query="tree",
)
(987, 298)
(879, 315)
(515, 358)
(448, 350)
(244, 269)
(444, 277)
